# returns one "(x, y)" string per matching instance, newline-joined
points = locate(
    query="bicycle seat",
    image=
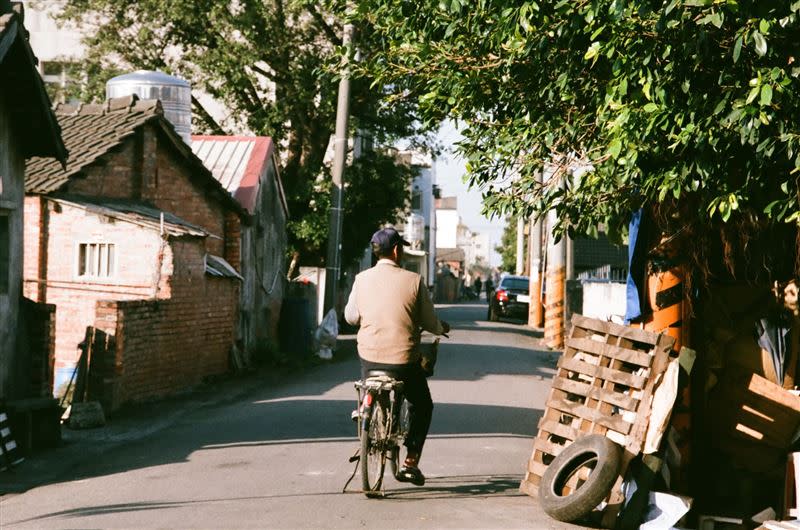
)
(380, 373)
(381, 380)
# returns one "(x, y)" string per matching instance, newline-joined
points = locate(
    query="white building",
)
(447, 222)
(55, 46)
(420, 226)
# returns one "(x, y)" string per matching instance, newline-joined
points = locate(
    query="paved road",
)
(277, 458)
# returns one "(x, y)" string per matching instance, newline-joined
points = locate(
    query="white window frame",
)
(101, 246)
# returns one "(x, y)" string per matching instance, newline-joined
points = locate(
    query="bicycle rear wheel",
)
(373, 451)
(401, 428)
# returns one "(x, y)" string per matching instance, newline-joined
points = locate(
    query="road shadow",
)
(298, 410)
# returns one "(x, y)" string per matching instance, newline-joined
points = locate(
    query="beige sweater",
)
(391, 304)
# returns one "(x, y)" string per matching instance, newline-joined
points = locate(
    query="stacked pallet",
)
(604, 384)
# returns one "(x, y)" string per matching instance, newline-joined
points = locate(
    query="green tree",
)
(275, 67)
(690, 108)
(508, 246)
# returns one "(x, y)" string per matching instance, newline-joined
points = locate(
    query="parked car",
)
(510, 298)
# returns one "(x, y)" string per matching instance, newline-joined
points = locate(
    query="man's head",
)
(387, 243)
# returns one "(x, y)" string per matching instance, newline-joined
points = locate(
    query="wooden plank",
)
(616, 423)
(528, 488)
(610, 328)
(574, 365)
(600, 394)
(609, 350)
(548, 447)
(768, 390)
(536, 468)
(559, 429)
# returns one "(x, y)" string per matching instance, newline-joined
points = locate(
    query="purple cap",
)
(387, 238)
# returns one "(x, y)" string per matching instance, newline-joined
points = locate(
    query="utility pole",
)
(334, 257)
(520, 245)
(535, 313)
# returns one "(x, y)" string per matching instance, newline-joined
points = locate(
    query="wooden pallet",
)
(604, 383)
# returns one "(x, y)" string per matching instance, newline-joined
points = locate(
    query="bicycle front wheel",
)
(373, 451)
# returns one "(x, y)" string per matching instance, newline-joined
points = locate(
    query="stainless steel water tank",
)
(175, 95)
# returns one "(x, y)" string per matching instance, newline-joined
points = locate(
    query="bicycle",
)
(382, 428)
(383, 423)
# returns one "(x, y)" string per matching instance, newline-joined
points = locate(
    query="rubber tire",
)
(581, 502)
(374, 429)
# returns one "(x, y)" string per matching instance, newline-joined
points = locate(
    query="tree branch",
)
(206, 118)
(324, 26)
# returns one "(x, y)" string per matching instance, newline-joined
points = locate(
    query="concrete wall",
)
(604, 300)
(12, 168)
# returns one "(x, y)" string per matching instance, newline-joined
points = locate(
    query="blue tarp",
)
(637, 261)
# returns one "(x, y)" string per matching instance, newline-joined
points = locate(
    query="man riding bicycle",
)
(392, 306)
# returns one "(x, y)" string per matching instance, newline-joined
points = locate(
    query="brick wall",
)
(166, 346)
(147, 166)
(137, 252)
(116, 177)
(176, 192)
(34, 241)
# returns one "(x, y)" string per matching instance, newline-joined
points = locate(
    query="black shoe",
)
(411, 474)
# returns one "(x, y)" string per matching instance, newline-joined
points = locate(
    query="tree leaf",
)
(615, 147)
(737, 48)
(650, 107)
(766, 95)
(592, 52)
(760, 43)
(753, 94)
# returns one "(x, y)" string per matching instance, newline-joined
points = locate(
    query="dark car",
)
(510, 298)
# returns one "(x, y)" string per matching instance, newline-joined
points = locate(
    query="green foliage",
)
(275, 68)
(376, 188)
(508, 246)
(692, 105)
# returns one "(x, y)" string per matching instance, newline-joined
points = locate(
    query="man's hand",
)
(445, 327)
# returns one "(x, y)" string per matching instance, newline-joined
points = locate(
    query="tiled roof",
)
(92, 130)
(89, 132)
(35, 127)
(134, 212)
(237, 162)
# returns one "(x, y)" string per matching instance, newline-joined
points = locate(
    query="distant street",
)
(277, 458)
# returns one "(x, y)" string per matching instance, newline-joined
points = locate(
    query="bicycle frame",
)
(378, 388)
(384, 437)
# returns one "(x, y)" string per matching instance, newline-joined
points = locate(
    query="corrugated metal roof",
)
(217, 266)
(237, 162)
(134, 212)
(226, 158)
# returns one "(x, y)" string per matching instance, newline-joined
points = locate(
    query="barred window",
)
(96, 260)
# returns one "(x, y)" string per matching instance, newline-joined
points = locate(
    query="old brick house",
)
(27, 128)
(247, 167)
(134, 239)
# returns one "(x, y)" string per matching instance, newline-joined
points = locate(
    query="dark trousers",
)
(418, 395)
